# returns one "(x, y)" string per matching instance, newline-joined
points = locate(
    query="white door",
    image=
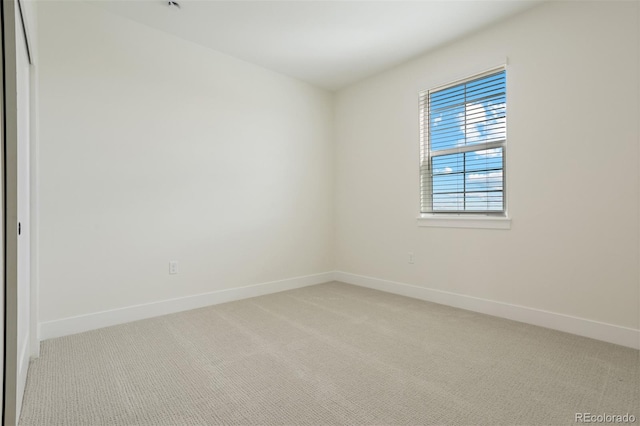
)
(16, 78)
(23, 80)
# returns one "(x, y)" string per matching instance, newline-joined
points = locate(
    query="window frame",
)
(447, 217)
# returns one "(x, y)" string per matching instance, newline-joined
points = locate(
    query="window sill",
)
(463, 221)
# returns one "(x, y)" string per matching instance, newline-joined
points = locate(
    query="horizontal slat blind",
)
(463, 135)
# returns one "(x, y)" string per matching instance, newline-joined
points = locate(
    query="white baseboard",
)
(582, 327)
(81, 323)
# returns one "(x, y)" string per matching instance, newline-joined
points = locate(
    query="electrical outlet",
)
(173, 266)
(412, 258)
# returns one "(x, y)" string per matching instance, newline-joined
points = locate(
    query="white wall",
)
(155, 149)
(572, 168)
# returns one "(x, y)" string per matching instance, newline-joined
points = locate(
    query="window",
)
(462, 146)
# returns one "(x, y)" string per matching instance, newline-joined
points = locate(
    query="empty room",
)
(320, 212)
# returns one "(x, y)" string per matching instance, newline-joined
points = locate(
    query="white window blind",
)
(463, 135)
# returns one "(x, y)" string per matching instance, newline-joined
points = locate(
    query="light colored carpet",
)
(328, 354)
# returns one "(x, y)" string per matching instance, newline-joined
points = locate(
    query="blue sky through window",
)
(474, 113)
